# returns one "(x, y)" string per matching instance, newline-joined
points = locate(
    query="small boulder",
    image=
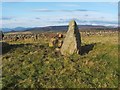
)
(60, 42)
(53, 42)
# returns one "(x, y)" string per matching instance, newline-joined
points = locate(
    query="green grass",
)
(36, 65)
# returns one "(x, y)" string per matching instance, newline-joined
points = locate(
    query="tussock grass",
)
(35, 65)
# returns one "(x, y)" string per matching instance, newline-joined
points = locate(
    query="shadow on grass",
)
(5, 47)
(87, 48)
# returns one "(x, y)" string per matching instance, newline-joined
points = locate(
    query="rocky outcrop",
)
(72, 41)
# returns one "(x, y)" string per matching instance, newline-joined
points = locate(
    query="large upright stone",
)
(72, 41)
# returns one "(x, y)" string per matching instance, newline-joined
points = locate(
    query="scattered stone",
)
(60, 35)
(72, 41)
(52, 42)
(56, 41)
(60, 42)
(57, 49)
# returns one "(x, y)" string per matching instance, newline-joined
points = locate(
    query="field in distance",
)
(29, 62)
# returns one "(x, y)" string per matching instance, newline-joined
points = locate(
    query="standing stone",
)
(72, 41)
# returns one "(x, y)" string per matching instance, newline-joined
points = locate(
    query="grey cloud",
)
(86, 15)
(37, 18)
(7, 18)
(82, 10)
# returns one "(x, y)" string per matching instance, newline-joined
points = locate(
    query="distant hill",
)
(65, 28)
(14, 29)
(57, 28)
(48, 29)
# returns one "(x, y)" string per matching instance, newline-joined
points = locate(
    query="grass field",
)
(32, 64)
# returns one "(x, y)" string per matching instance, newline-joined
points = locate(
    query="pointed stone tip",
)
(72, 22)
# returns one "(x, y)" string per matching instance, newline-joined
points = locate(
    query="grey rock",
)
(72, 41)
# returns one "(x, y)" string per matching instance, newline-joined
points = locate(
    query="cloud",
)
(42, 10)
(37, 18)
(6, 18)
(86, 15)
(69, 5)
(83, 10)
(13, 0)
(53, 21)
(62, 10)
(79, 21)
(82, 17)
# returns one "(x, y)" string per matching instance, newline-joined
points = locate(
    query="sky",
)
(60, 0)
(40, 14)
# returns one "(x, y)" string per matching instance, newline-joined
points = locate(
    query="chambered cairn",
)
(72, 41)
